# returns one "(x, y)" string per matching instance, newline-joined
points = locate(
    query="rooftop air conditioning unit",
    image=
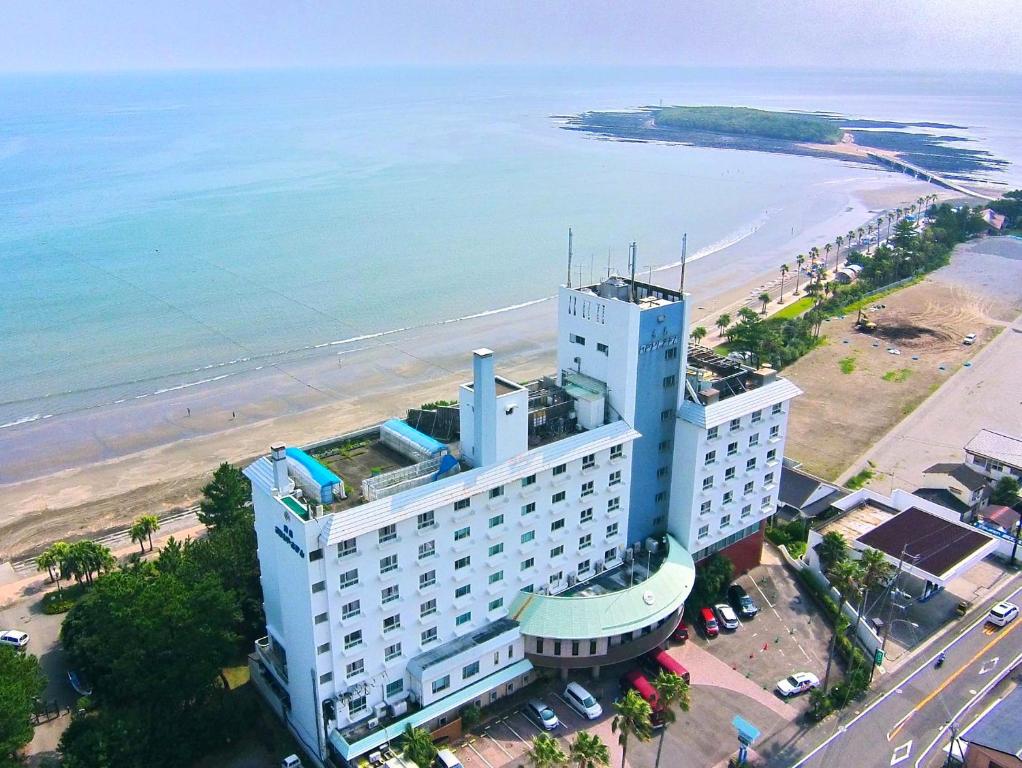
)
(572, 578)
(652, 545)
(373, 723)
(398, 708)
(628, 555)
(637, 548)
(379, 710)
(598, 566)
(543, 590)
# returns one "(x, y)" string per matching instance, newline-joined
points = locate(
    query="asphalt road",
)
(907, 725)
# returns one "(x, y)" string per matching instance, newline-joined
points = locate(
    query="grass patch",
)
(897, 376)
(62, 601)
(847, 364)
(795, 309)
(857, 481)
(744, 121)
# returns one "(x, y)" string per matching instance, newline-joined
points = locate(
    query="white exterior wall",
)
(492, 656)
(995, 470)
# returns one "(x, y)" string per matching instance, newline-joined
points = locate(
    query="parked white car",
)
(969, 339)
(539, 711)
(14, 638)
(800, 682)
(726, 616)
(1003, 613)
(582, 701)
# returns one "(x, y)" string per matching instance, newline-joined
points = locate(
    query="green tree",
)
(138, 534)
(21, 683)
(831, 550)
(672, 694)
(47, 561)
(545, 752)
(417, 745)
(800, 261)
(698, 334)
(150, 524)
(225, 497)
(722, 323)
(1005, 492)
(875, 569)
(845, 576)
(839, 240)
(784, 272)
(765, 299)
(712, 577)
(587, 750)
(633, 718)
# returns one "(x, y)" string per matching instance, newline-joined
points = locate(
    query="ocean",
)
(163, 231)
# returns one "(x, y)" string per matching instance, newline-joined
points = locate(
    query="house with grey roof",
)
(995, 454)
(995, 741)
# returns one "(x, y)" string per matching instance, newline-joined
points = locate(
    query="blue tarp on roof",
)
(317, 471)
(427, 443)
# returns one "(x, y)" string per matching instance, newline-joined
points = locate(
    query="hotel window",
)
(754, 440)
(560, 469)
(613, 505)
(463, 618)
(661, 472)
(661, 497)
(665, 415)
(574, 647)
(768, 479)
(707, 482)
(587, 515)
(775, 430)
(462, 562)
(777, 408)
(442, 684)
(725, 521)
(617, 451)
(736, 424)
(426, 520)
(496, 549)
(389, 594)
(587, 488)
(388, 533)
(610, 554)
(392, 622)
(462, 533)
(527, 564)
(670, 353)
(539, 645)
(496, 493)
(392, 652)
(496, 520)
(495, 604)
(586, 541)
(584, 567)
(557, 647)
(326, 677)
(750, 464)
(704, 508)
(493, 578)
(357, 667)
(664, 446)
(319, 586)
(350, 610)
(427, 608)
(528, 480)
(347, 547)
(556, 525)
(427, 550)
(556, 577)
(527, 537)
(711, 433)
(704, 531)
(321, 618)
(316, 554)
(470, 670)
(709, 458)
(729, 474)
(612, 530)
(765, 502)
(602, 348)
(427, 579)
(463, 590)
(615, 478)
(732, 448)
(589, 461)
(574, 338)
(395, 687)
(757, 416)
(729, 497)
(746, 510)
(529, 508)
(353, 639)
(772, 454)
(356, 705)
(349, 578)
(462, 504)
(428, 636)
(670, 381)
(557, 551)
(558, 497)
(321, 649)
(388, 564)
(749, 488)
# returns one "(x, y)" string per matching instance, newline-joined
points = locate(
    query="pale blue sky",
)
(78, 35)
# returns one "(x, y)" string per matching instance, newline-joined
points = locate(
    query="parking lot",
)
(44, 631)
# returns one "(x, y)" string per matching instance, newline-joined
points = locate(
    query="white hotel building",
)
(556, 533)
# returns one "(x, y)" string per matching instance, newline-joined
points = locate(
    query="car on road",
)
(447, 759)
(741, 601)
(726, 616)
(680, 634)
(800, 682)
(1002, 614)
(710, 628)
(14, 638)
(969, 339)
(582, 701)
(542, 714)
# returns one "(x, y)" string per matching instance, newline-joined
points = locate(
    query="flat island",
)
(743, 121)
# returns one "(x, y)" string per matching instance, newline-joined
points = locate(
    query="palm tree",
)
(845, 576)
(698, 333)
(826, 251)
(869, 232)
(722, 323)
(588, 751)
(875, 570)
(890, 220)
(671, 690)
(837, 257)
(150, 524)
(850, 237)
(546, 753)
(47, 561)
(799, 261)
(784, 271)
(632, 719)
(765, 298)
(860, 232)
(417, 745)
(137, 533)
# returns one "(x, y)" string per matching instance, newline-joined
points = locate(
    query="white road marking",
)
(497, 743)
(808, 658)
(516, 733)
(769, 604)
(476, 751)
(901, 753)
(988, 665)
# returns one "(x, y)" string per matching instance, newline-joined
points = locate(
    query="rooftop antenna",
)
(684, 248)
(631, 269)
(608, 262)
(569, 258)
(592, 260)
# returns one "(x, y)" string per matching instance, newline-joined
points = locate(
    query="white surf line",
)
(476, 751)
(897, 688)
(980, 694)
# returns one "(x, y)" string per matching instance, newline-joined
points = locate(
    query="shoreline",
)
(96, 467)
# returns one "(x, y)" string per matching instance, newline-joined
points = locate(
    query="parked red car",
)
(710, 627)
(680, 634)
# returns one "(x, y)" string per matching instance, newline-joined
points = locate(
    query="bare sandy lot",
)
(856, 390)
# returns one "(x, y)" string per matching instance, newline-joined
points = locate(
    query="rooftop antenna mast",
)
(608, 262)
(569, 258)
(684, 248)
(631, 269)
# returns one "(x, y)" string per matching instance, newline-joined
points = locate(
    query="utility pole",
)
(1018, 530)
(632, 270)
(894, 586)
(569, 258)
(951, 747)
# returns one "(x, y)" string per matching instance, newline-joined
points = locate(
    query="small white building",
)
(995, 454)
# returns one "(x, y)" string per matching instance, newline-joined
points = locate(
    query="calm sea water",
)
(157, 231)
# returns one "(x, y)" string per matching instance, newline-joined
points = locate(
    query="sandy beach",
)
(95, 470)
